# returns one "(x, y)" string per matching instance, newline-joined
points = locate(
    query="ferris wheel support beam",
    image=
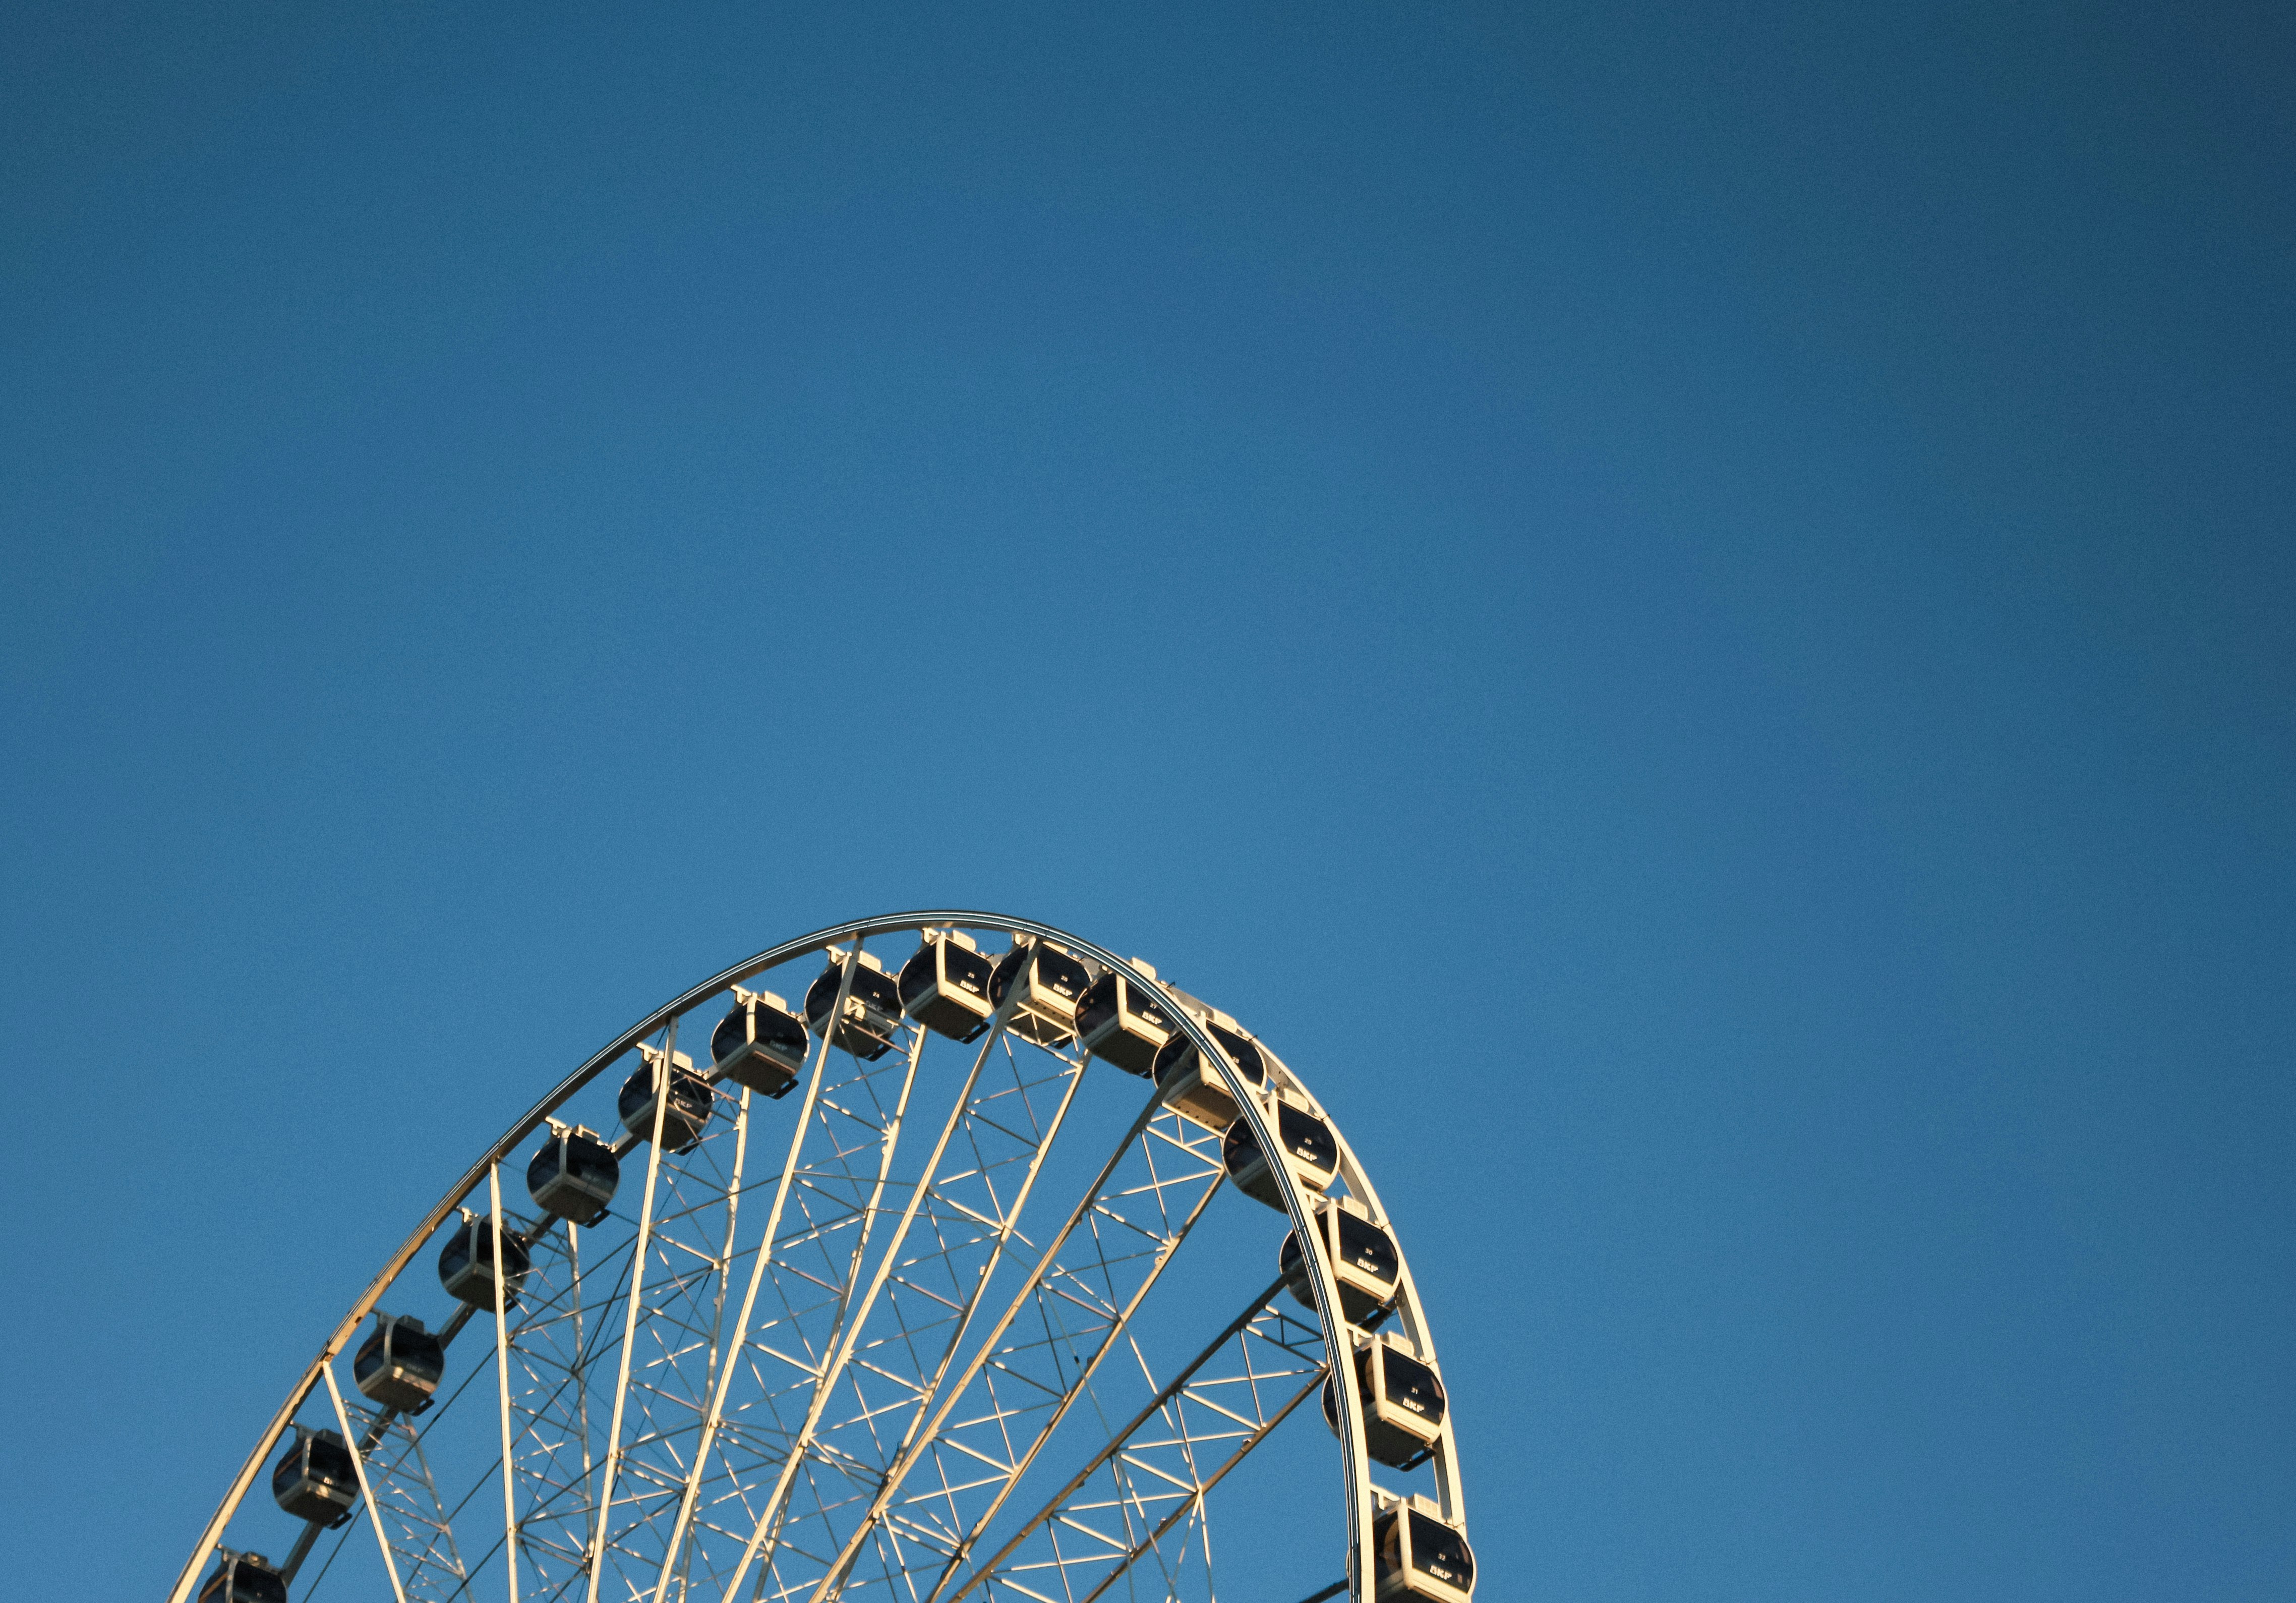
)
(1256, 1109)
(721, 1361)
(908, 1460)
(851, 1321)
(1005, 1228)
(1170, 1390)
(714, 1420)
(848, 1326)
(366, 1492)
(502, 1380)
(1091, 1365)
(664, 1079)
(1196, 1495)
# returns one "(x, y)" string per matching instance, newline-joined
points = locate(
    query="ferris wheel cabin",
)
(945, 986)
(243, 1578)
(1052, 982)
(401, 1365)
(1194, 1093)
(1123, 1024)
(1420, 1557)
(316, 1480)
(1402, 1402)
(1362, 1255)
(691, 1101)
(1310, 1151)
(466, 1268)
(760, 1044)
(872, 1007)
(574, 1175)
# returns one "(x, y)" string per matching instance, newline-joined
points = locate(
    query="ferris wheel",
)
(880, 1294)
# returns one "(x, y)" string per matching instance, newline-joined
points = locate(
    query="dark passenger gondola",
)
(872, 1008)
(691, 1101)
(760, 1044)
(316, 1480)
(1123, 1024)
(466, 1268)
(1402, 1402)
(1362, 1255)
(243, 1578)
(401, 1365)
(1052, 982)
(574, 1175)
(1419, 1557)
(1309, 1148)
(1192, 1092)
(944, 985)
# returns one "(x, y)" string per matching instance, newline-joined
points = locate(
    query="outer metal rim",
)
(1355, 1459)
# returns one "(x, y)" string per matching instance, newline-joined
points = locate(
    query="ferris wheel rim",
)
(1298, 1205)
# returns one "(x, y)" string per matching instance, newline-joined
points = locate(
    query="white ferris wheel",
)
(880, 1295)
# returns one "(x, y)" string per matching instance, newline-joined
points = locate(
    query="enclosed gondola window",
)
(1098, 1006)
(1402, 1402)
(760, 1044)
(944, 985)
(574, 1175)
(1052, 983)
(1364, 1262)
(466, 1267)
(691, 1103)
(1179, 1054)
(316, 1479)
(1122, 1024)
(1420, 1557)
(1310, 1150)
(400, 1364)
(873, 1006)
(244, 1578)
(1409, 1385)
(1364, 1245)
(733, 1030)
(1441, 1551)
(1200, 1095)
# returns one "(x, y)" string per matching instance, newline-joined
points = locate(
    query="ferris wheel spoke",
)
(1071, 1380)
(366, 1488)
(1205, 1405)
(995, 1224)
(1135, 1211)
(853, 1392)
(1194, 1500)
(714, 1422)
(762, 1540)
(637, 1281)
(926, 1298)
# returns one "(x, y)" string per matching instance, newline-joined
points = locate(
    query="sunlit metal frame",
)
(1255, 1104)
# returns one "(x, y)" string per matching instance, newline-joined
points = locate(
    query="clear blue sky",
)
(1689, 607)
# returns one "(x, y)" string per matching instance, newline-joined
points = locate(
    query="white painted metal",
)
(715, 1417)
(366, 1492)
(1174, 1496)
(502, 1381)
(665, 1081)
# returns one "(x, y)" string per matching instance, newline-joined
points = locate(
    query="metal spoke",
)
(367, 1490)
(848, 1322)
(1196, 1496)
(851, 1392)
(665, 1078)
(715, 1420)
(986, 1350)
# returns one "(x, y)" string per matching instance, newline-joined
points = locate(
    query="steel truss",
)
(896, 1333)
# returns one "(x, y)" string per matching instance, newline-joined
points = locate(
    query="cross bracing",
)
(922, 1327)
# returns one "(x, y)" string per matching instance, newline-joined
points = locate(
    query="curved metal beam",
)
(1323, 1287)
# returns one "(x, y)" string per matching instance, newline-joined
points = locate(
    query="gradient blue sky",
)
(1688, 607)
